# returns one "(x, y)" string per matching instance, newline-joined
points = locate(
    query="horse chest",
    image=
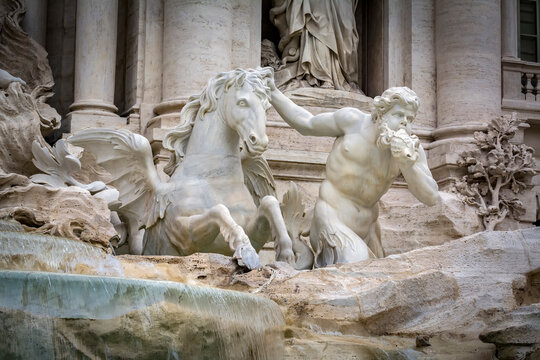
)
(194, 197)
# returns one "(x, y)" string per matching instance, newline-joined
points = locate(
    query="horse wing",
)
(258, 177)
(128, 157)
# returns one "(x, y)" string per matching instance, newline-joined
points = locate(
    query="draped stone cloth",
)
(320, 37)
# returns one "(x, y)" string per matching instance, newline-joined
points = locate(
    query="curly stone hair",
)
(395, 95)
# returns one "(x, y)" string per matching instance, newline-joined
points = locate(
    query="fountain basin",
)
(51, 315)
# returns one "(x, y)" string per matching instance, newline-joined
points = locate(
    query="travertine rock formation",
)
(452, 288)
(26, 59)
(37, 252)
(407, 224)
(516, 334)
(68, 212)
(449, 293)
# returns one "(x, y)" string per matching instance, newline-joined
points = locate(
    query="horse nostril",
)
(253, 139)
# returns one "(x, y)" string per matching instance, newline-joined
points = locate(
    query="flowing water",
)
(47, 312)
(65, 299)
(56, 316)
(38, 252)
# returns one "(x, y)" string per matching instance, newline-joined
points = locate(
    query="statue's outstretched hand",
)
(271, 83)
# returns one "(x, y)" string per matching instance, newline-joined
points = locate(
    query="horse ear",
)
(266, 72)
(241, 79)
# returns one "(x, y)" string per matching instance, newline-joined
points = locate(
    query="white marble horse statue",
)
(219, 196)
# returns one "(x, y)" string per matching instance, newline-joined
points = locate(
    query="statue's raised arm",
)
(369, 153)
(332, 124)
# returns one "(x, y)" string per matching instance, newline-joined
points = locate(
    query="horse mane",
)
(198, 106)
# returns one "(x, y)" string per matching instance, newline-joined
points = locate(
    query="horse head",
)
(240, 98)
(243, 104)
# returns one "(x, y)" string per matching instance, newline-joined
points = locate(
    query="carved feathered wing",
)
(258, 177)
(128, 157)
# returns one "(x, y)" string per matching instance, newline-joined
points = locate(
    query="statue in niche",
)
(318, 44)
(369, 152)
(220, 197)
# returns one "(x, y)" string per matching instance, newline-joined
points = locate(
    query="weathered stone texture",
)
(451, 288)
(67, 212)
(407, 224)
(516, 334)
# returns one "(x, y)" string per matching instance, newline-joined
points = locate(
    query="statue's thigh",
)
(323, 216)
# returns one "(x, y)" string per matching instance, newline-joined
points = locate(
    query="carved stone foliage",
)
(497, 171)
(59, 167)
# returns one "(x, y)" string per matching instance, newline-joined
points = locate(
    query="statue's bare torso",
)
(358, 174)
(366, 158)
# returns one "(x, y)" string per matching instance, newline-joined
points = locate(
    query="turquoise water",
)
(48, 312)
(51, 316)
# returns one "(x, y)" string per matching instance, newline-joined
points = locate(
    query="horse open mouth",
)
(253, 150)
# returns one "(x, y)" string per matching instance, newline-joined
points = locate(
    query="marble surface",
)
(369, 153)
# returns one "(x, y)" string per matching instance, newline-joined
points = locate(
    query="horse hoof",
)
(246, 256)
(286, 256)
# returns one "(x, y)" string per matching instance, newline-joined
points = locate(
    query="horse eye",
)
(242, 102)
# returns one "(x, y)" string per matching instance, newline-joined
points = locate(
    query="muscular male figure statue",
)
(369, 152)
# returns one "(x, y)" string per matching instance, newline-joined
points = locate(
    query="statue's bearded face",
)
(398, 117)
(395, 132)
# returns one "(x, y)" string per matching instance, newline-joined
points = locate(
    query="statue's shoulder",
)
(351, 118)
(353, 121)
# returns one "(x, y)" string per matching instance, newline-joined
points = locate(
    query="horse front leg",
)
(203, 229)
(269, 215)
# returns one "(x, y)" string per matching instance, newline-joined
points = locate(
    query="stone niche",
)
(302, 159)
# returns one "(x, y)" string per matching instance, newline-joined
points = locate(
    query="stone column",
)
(197, 44)
(468, 59)
(95, 61)
(246, 33)
(35, 20)
(509, 28)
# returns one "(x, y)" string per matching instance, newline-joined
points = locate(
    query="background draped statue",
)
(206, 206)
(370, 151)
(318, 43)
